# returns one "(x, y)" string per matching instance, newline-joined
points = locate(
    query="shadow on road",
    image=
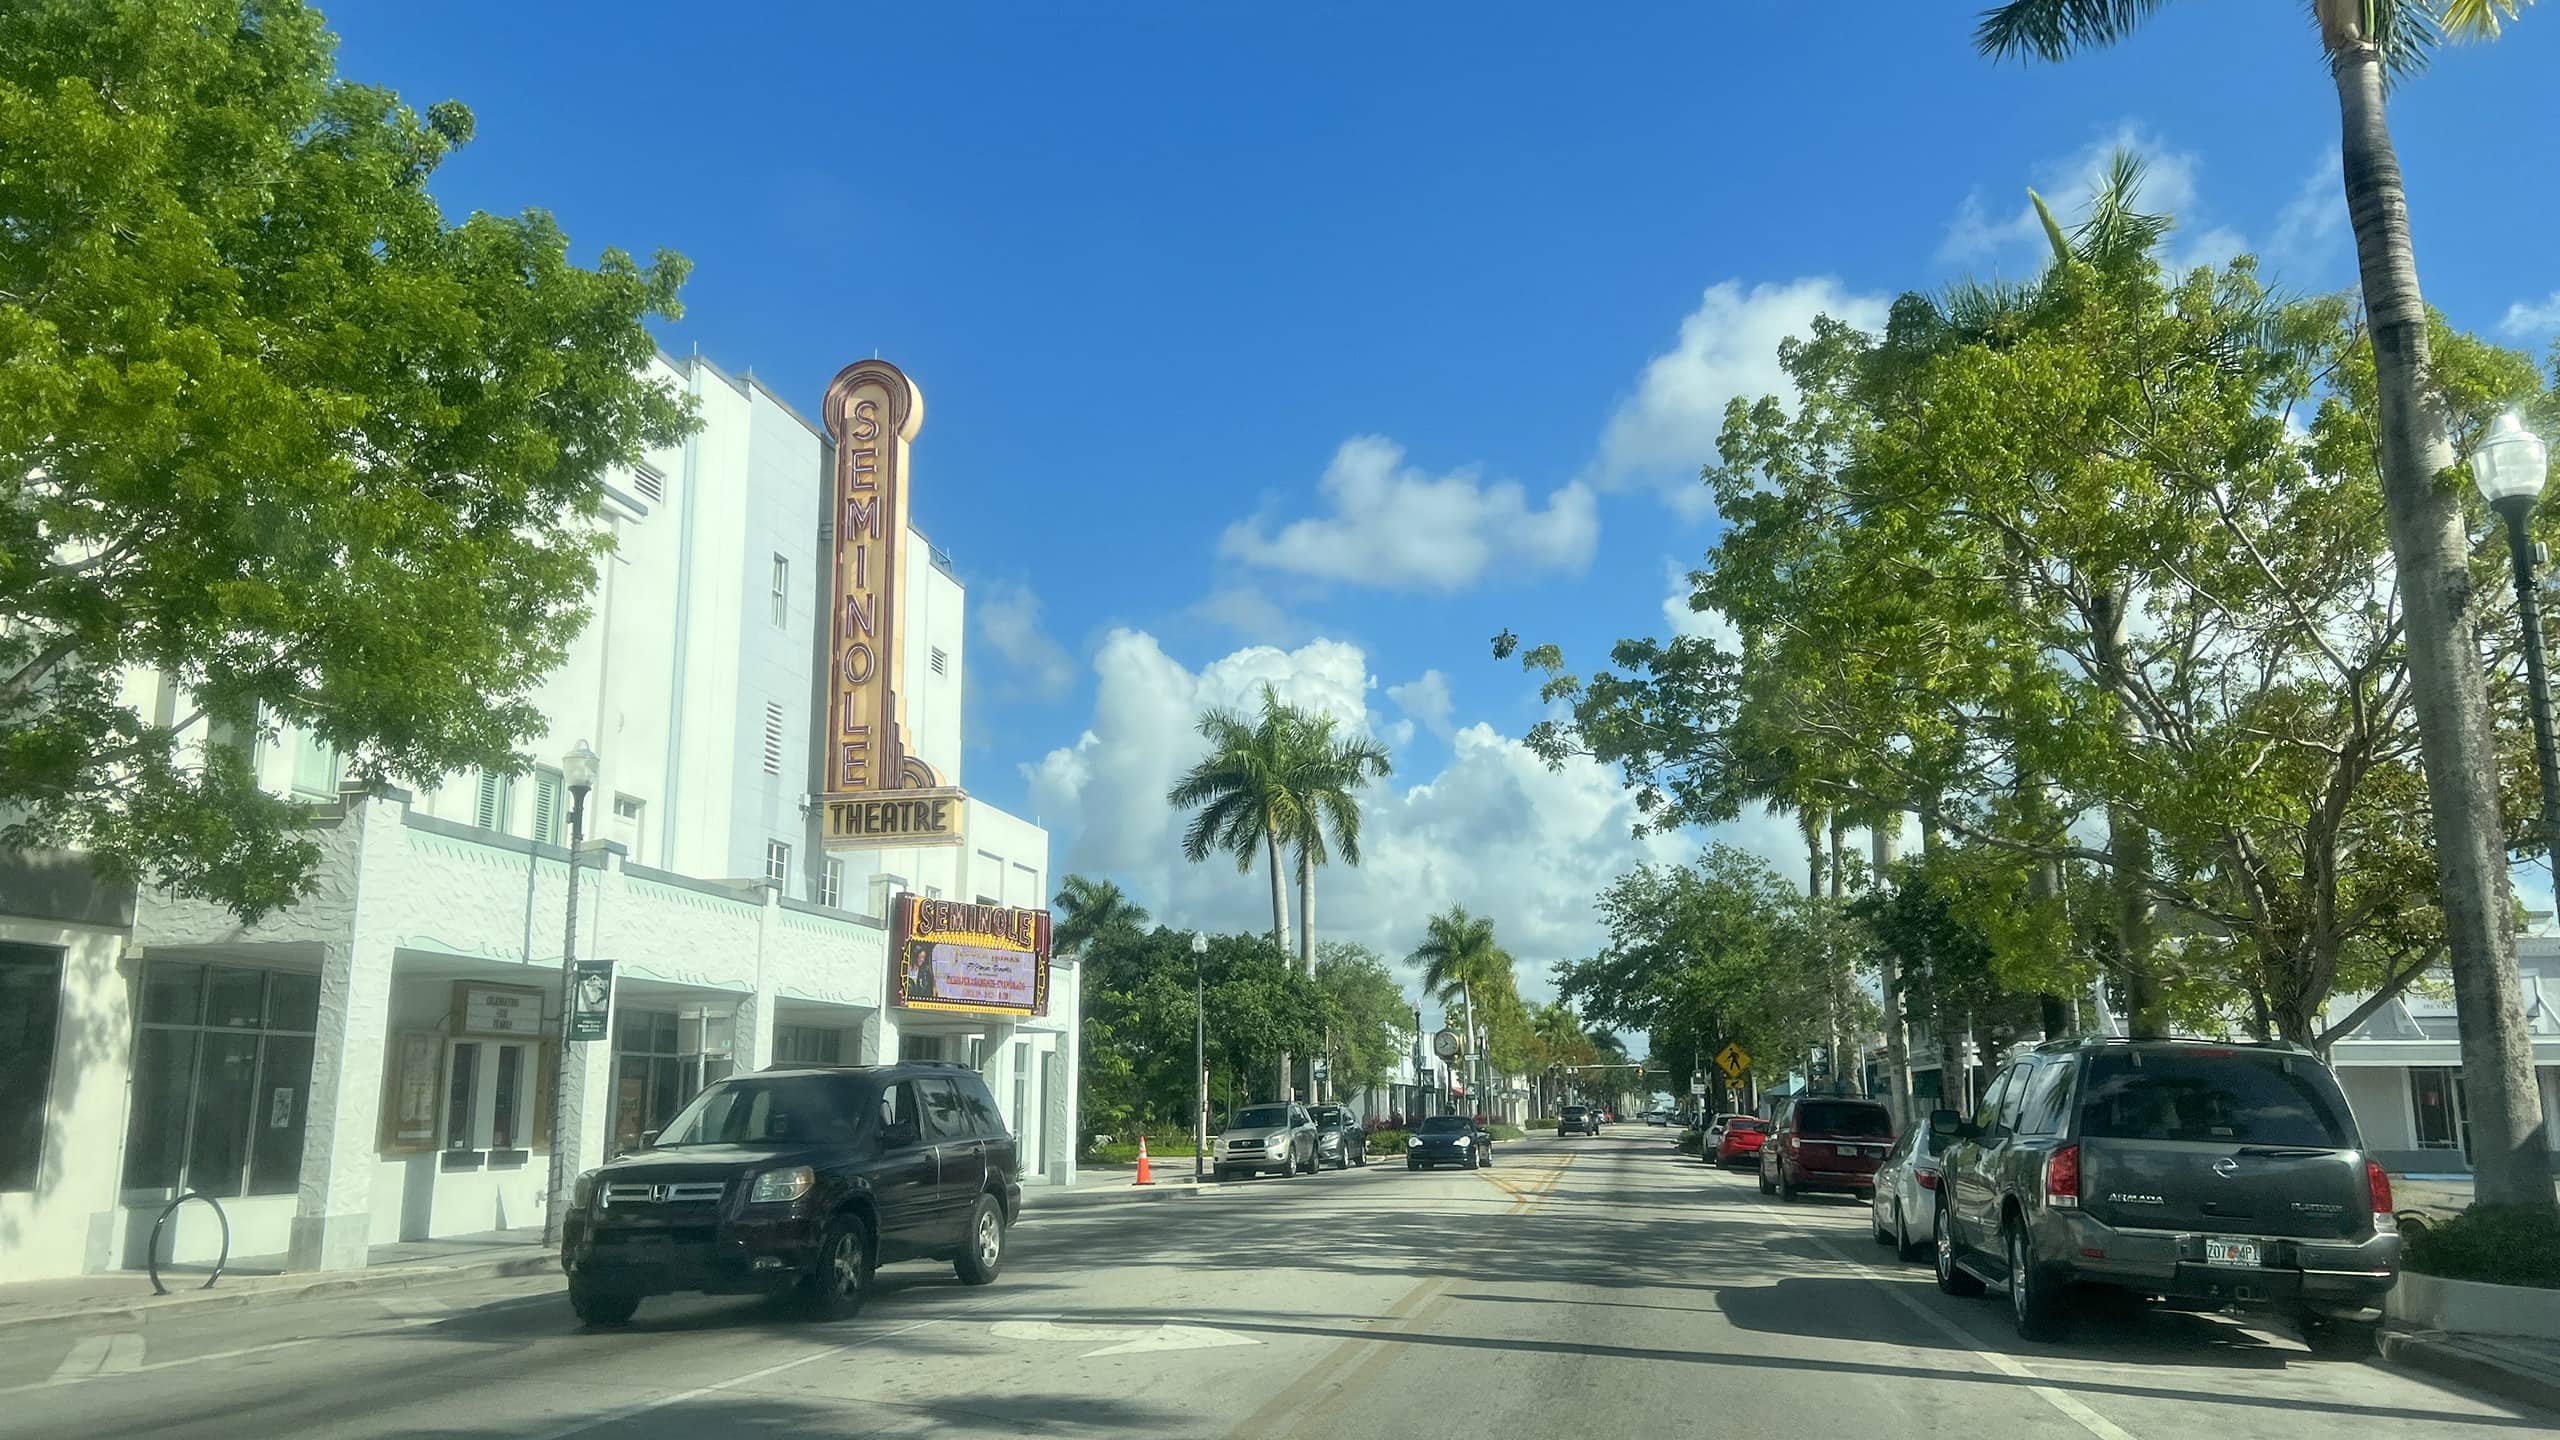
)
(736, 1413)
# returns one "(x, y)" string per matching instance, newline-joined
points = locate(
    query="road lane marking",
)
(616, 1417)
(156, 1366)
(95, 1355)
(1300, 1400)
(2069, 1404)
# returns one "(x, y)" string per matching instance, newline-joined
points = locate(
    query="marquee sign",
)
(878, 793)
(980, 959)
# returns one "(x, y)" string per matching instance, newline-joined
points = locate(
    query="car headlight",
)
(1413, 1142)
(776, 1187)
(583, 1193)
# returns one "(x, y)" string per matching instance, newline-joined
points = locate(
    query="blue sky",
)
(1363, 332)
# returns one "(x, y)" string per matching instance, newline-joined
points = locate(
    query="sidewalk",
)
(126, 1294)
(1109, 1184)
(2507, 1366)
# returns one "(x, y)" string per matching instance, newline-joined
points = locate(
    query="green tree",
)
(1330, 773)
(1246, 792)
(2367, 43)
(1089, 909)
(1365, 1013)
(273, 432)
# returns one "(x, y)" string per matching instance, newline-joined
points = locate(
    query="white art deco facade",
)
(376, 1064)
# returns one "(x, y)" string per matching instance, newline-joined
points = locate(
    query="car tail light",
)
(1928, 1178)
(2379, 1183)
(2062, 1178)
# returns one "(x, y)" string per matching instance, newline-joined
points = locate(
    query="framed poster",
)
(412, 1081)
(977, 959)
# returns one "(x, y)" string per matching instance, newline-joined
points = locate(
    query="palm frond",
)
(2054, 29)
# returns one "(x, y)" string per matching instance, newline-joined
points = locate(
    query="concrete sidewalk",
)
(125, 1295)
(2507, 1366)
(1113, 1184)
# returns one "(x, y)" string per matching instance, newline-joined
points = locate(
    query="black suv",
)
(798, 1182)
(2204, 1174)
(1578, 1120)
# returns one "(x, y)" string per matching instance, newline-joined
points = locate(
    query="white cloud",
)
(1006, 616)
(1396, 527)
(1245, 609)
(2312, 223)
(1494, 830)
(1426, 699)
(1707, 624)
(1666, 430)
(2533, 320)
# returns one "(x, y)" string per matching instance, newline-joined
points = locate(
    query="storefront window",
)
(661, 1059)
(486, 1086)
(2443, 1120)
(807, 1045)
(30, 1006)
(221, 1079)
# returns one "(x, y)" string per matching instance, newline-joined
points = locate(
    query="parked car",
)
(1825, 1142)
(1578, 1120)
(1448, 1140)
(1738, 1141)
(1340, 1139)
(1907, 1182)
(2199, 1173)
(1278, 1137)
(801, 1181)
(1657, 1117)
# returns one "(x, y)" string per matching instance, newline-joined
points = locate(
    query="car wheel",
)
(1289, 1165)
(2332, 1338)
(2035, 1298)
(1413, 1164)
(1786, 1187)
(1875, 1222)
(601, 1307)
(1363, 1161)
(1903, 1248)
(1767, 1185)
(1488, 1157)
(1953, 1279)
(983, 1260)
(843, 1277)
(1467, 1161)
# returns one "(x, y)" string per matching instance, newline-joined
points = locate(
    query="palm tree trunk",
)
(1897, 1036)
(2422, 513)
(1307, 912)
(1279, 933)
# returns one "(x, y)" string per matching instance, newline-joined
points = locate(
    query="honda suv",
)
(798, 1182)
(1826, 1142)
(2207, 1175)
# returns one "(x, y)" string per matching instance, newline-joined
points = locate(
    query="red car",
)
(1826, 1142)
(1737, 1139)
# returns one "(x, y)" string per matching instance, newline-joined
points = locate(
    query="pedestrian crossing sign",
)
(1733, 1060)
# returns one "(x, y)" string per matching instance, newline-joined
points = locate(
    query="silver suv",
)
(1277, 1137)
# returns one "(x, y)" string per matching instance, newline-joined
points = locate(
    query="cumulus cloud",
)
(1664, 431)
(1250, 612)
(1426, 699)
(1493, 829)
(2533, 319)
(1006, 616)
(1398, 527)
(1707, 624)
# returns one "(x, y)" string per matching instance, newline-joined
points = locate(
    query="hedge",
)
(2498, 1244)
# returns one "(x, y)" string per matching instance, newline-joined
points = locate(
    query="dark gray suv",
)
(2203, 1174)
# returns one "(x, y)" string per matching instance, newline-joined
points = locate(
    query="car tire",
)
(842, 1281)
(982, 1257)
(1767, 1185)
(1786, 1187)
(1953, 1279)
(1363, 1161)
(1876, 1223)
(1289, 1164)
(2036, 1299)
(2332, 1338)
(1467, 1161)
(599, 1307)
(1413, 1164)
(1488, 1157)
(1903, 1248)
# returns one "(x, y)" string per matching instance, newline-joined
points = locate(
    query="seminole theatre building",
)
(757, 743)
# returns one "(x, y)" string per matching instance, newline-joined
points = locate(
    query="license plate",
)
(2231, 1252)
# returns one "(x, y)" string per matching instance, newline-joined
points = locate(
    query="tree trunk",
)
(2511, 1154)
(2128, 841)
(1279, 933)
(1307, 912)
(1811, 823)
(1897, 1036)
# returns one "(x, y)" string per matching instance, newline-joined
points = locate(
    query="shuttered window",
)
(777, 861)
(831, 885)
(651, 482)
(941, 662)
(496, 798)
(772, 738)
(546, 806)
(781, 590)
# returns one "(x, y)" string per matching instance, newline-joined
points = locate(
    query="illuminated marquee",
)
(979, 959)
(878, 793)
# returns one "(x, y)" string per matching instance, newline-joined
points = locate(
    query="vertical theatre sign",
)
(878, 793)
(981, 959)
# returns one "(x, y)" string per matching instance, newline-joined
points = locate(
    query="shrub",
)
(1506, 1132)
(1383, 1142)
(1158, 1148)
(2499, 1244)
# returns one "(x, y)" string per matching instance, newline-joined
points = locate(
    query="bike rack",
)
(220, 1259)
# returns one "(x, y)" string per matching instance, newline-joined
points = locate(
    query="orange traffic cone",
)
(1146, 1172)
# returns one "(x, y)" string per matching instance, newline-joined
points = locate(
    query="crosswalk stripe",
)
(95, 1355)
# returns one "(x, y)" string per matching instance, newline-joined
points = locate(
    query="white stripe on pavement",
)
(95, 1355)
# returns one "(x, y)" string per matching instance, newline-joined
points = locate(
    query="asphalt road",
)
(1589, 1288)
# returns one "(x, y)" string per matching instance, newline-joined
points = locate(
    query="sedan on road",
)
(1907, 1182)
(1578, 1120)
(1340, 1140)
(1278, 1138)
(1736, 1141)
(1448, 1140)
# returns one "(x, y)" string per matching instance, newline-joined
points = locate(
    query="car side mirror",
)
(1947, 1122)
(648, 1139)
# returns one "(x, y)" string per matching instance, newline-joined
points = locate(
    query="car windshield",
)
(1575, 1110)
(1828, 1117)
(1447, 1124)
(1746, 1123)
(781, 1110)
(1327, 1114)
(2222, 1096)
(1259, 1117)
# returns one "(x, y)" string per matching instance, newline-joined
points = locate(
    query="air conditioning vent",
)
(772, 738)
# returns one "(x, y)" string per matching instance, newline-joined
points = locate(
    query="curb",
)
(391, 1277)
(1033, 1201)
(2433, 1351)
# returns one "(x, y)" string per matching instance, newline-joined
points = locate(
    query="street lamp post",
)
(578, 772)
(2509, 465)
(1199, 1062)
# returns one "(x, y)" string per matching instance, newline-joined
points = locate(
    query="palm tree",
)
(2368, 43)
(1460, 961)
(1089, 909)
(1327, 778)
(1246, 792)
